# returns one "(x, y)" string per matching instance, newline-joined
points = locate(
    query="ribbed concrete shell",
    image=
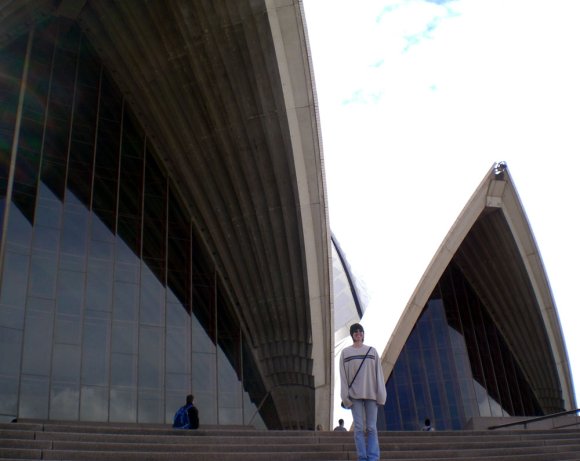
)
(493, 244)
(224, 89)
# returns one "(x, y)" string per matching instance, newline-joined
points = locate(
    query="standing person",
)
(362, 389)
(187, 417)
(340, 427)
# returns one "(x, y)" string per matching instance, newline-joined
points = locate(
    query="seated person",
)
(187, 416)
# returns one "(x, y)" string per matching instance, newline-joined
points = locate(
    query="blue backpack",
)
(181, 420)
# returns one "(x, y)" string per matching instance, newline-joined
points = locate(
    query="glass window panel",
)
(98, 315)
(253, 384)
(70, 292)
(99, 286)
(38, 343)
(49, 209)
(110, 103)
(23, 198)
(204, 372)
(230, 390)
(178, 383)
(46, 238)
(84, 123)
(64, 401)
(177, 349)
(70, 262)
(60, 107)
(10, 351)
(95, 369)
(124, 337)
(68, 329)
(150, 407)
(251, 414)
(203, 302)
(94, 403)
(176, 315)
(409, 423)
(14, 280)
(11, 317)
(19, 231)
(2, 198)
(66, 364)
(102, 250)
(151, 367)
(200, 341)
(228, 415)
(413, 343)
(155, 214)
(152, 298)
(206, 402)
(34, 397)
(42, 282)
(107, 163)
(53, 171)
(131, 206)
(513, 384)
(123, 405)
(123, 370)
(126, 301)
(39, 304)
(128, 272)
(74, 235)
(125, 253)
(100, 232)
(9, 393)
(482, 400)
(416, 367)
(89, 68)
(79, 174)
(30, 140)
(391, 408)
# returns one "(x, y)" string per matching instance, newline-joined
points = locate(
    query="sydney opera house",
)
(165, 231)
(480, 336)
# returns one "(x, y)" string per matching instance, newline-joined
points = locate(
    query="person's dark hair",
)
(356, 326)
(427, 422)
(341, 421)
(189, 399)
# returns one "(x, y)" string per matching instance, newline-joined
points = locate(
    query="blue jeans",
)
(362, 409)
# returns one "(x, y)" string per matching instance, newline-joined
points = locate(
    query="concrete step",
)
(131, 442)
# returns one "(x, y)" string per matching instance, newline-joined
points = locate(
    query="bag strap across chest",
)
(359, 367)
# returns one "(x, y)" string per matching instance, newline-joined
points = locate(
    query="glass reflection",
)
(34, 397)
(123, 405)
(95, 358)
(38, 340)
(64, 401)
(450, 365)
(122, 305)
(94, 403)
(124, 370)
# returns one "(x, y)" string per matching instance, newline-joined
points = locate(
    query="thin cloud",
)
(427, 16)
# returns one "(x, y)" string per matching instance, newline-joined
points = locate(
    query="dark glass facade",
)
(109, 308)
(455, 365)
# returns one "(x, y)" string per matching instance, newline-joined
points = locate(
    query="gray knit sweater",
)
(369, 383)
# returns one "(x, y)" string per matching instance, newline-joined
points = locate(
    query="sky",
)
(417, 100)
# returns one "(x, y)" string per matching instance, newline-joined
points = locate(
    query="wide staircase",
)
(30, 440)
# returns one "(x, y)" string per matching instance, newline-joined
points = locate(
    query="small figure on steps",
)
(340, 427)
(187, 416)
